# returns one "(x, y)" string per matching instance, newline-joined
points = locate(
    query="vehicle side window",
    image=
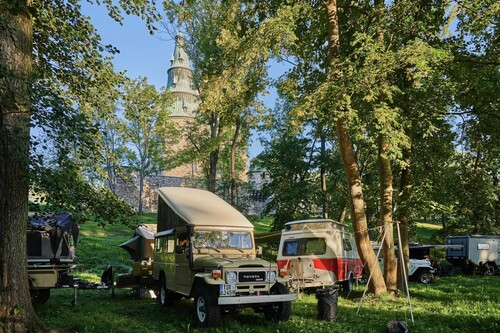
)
(347, 245)
(291, 247)
(314, 246)
(158, 245)
(165, 244)
(170, 244)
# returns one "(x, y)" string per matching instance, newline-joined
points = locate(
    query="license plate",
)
(227, 290)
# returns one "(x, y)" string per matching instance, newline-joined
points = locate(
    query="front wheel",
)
(425, 277)
(280, 311)
(206, 310)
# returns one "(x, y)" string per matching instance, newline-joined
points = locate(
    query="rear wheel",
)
(489, 270)
(280, 311)
(425, 277)
(349, 283)
(165, 297)
(206, 310)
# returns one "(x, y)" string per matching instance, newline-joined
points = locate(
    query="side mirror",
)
(258, 250)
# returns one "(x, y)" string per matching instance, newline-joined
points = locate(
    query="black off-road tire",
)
(425, 277)
(348, 285)
(280, 311)
(206, 310)
(489, 271)
(165, 297)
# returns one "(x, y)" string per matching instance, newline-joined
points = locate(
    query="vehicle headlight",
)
(231, 277)
(271, 276)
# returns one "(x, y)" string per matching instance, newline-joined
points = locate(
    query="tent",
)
(51, 236)
(141, 245)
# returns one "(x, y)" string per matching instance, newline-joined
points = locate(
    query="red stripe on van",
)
(339, 266)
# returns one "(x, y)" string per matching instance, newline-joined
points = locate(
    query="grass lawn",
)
(452, 304)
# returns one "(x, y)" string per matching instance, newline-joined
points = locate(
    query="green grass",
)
(453, 304)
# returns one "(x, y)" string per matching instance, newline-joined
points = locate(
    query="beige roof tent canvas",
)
(178, 206)
(141, 245)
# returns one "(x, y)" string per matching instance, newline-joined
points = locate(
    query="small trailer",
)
(477, 253)
(141, 249)
(319, 253)
(51, 240)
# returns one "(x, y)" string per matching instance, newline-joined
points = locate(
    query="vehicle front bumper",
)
(235, 300)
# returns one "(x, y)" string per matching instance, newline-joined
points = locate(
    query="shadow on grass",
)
(457, 304)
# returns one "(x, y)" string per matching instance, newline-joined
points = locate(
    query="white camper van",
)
(319, 253)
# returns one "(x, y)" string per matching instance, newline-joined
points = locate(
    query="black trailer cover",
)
(49, 235)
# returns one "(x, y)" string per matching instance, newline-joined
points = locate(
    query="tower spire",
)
(180, 83)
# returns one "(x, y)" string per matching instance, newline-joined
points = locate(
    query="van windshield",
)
(217, 239)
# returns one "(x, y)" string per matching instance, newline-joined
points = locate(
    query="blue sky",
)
(142, 54)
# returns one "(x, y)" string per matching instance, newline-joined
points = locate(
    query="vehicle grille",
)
(251, 277)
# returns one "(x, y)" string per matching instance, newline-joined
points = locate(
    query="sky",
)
(146, 55)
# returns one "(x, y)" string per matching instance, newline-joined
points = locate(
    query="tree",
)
(147, 129)
(229, 51)
(68, 61)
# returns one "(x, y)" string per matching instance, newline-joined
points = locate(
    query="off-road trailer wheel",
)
(206, 310)
(165, 297)
(280, 311)
(425, 277)
(489, 270)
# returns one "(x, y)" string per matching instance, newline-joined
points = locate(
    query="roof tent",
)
(51, 236)
(181, 206)
(140, 246)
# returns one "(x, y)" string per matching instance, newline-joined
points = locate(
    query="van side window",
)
(304, 246)
(314, 246)
(291, 248)
(347, 245)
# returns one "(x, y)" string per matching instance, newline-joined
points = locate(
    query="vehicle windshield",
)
(217, 239)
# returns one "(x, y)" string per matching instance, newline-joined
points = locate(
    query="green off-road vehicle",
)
(204, 249)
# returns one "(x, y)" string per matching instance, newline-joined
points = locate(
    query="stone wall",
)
(129, 190)
(254, 203)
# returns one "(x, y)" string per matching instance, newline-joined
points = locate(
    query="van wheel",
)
(425, 277)
(349, 284)
(165, 297)
(206, 310)
(280, 311)
(489, 271)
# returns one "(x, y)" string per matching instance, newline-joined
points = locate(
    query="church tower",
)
(185, 105)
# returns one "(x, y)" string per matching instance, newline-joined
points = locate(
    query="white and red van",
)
(318, 253)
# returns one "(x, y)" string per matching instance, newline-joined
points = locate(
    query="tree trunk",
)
(385, 175)
(16, 38)
(141, 189)
(404, 210)
(215, 132)
(377, 284)
(233, 161)
(324, 194)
